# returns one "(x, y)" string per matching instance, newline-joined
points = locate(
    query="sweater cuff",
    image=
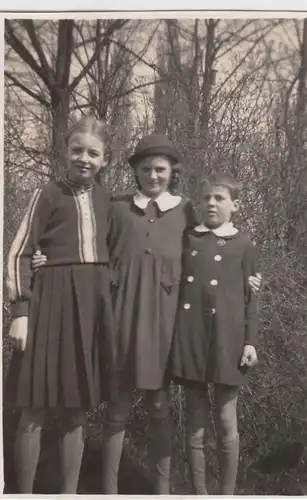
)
(20, 308)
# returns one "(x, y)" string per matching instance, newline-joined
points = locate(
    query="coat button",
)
(190, 279)
(217, 258)
(213, 282)
(213, 311)
(221, 242)
(194, 252)
(149, 250)
(187, 306)
(151, 220)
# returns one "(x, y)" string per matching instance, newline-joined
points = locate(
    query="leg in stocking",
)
(226, 398)
(72, 446)
(160, 441)
(113, 440)
(197, 416)
(27, 448)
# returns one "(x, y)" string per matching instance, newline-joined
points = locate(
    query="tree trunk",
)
(60, 112)
(60, 96)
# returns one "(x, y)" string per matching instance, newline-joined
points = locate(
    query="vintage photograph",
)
(155, 215)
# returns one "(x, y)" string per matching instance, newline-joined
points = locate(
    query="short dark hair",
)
(223, 180)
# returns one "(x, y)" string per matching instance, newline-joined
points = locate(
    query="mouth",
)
(83, 169)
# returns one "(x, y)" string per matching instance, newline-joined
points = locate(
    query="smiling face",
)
(218, 206)
(85, 157)
(154, 175)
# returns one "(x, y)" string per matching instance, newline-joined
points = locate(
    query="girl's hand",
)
(19, 332)
(255, 282)
(249, 356)
(38, 260)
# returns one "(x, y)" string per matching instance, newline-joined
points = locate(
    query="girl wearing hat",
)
(145, 244)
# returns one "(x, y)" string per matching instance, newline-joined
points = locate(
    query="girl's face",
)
(218, 205)
(154, 175)
(85, 157)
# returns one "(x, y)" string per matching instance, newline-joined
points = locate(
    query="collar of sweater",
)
(75, 185)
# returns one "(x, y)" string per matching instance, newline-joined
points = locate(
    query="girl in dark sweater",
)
(216, 328)
(62, 315)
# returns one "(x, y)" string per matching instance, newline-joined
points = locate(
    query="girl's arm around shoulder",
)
(19, 275)
(249, 265)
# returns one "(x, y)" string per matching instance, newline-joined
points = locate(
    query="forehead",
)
(216, 191)
(86, 139)
(155, 161)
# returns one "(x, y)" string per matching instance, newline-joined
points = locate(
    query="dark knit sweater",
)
(68, 224)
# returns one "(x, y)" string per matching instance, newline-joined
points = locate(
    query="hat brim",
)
(155, 150)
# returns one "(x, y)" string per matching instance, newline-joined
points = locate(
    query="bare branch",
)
(25, 89)
(23, 52)
(29, 26)
(116, 25)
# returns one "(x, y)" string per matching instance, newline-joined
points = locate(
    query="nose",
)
(211, 201)
(83, 157)
(153, 174)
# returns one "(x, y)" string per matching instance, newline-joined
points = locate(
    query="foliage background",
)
(231, 93)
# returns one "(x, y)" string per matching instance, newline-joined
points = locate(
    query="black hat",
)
(155, 144)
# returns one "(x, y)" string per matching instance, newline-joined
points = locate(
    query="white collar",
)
(226, 229)
(165, 201)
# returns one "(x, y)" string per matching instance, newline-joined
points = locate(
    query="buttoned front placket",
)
(213, 281)
(86, 225)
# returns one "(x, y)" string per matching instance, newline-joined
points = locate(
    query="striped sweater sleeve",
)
(20, 274)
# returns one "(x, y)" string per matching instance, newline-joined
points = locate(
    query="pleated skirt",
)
(69, 356)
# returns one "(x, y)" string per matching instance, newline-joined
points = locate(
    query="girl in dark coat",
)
(216, 328)
(63, 318)
(145, 245)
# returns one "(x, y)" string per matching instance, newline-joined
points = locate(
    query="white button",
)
(213, 282)
(221, 242)
(194, 252)
(213, 311)
(217, 258)
(187, 306)
(190, 279)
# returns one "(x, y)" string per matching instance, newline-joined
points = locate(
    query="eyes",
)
(216, 197)
(93, 153)
(147, 170)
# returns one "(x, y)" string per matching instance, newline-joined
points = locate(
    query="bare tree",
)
(48, 54)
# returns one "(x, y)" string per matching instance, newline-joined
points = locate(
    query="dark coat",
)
(145, 252)
(217, 310)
